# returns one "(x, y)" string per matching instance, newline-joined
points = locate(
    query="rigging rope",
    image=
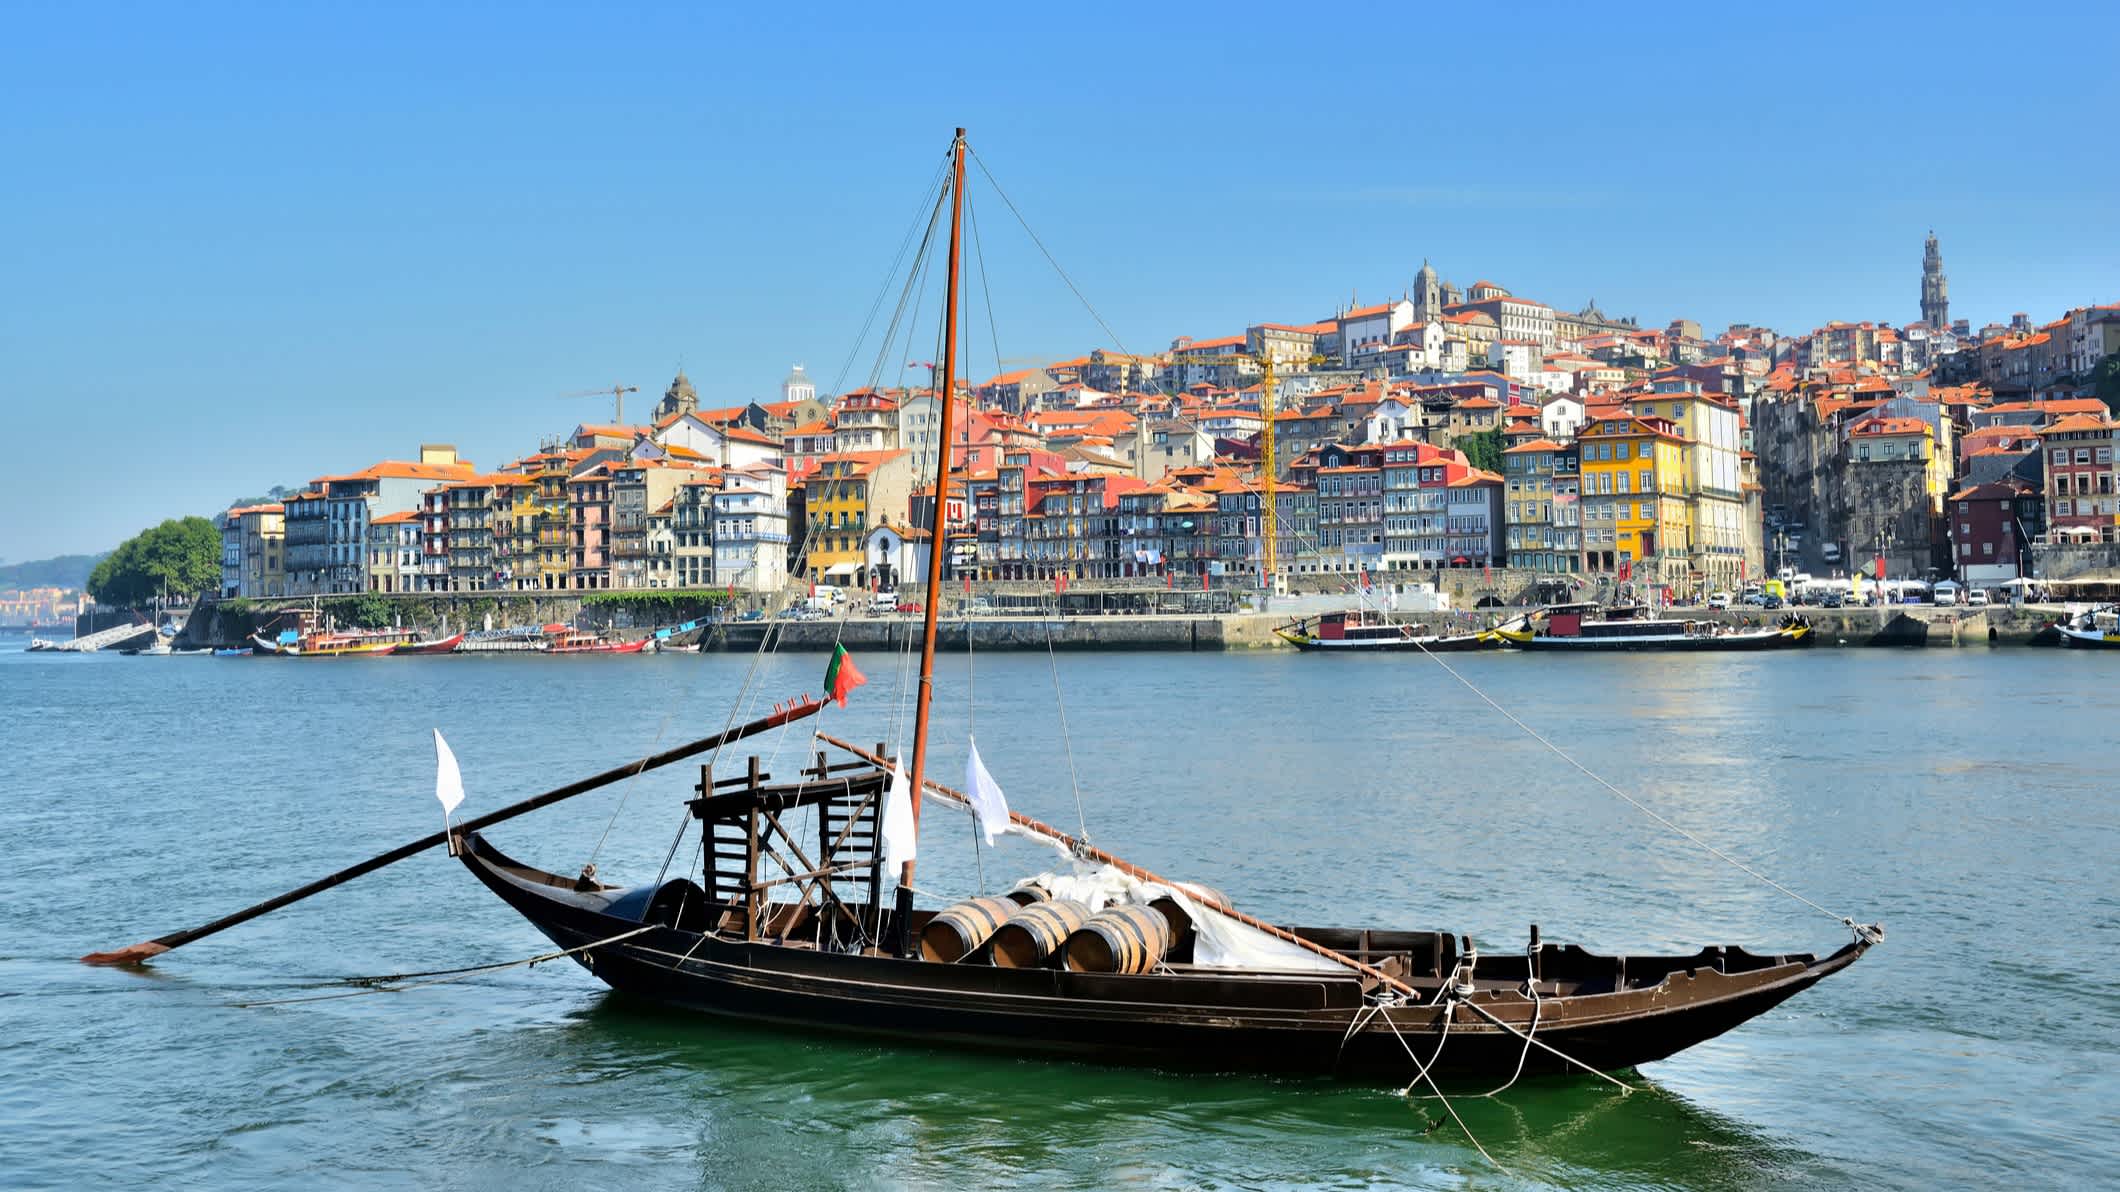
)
(1011, 204)
(1866, 932)
(443, 976)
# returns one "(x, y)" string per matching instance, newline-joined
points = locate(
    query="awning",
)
(838, 569)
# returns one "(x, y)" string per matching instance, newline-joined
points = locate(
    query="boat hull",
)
(2088, 639)
(1769, 639)
(446, 645)
(1314, 1023)
(1489, 640)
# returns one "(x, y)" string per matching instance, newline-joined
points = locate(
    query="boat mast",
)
(938, 535)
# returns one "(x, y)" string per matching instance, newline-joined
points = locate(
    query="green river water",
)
(1966, 798)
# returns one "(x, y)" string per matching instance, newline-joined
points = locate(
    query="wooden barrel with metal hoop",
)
(955, 933)
(1119, 939)
(1037, 932)
(1028, 894)
(1181, 922)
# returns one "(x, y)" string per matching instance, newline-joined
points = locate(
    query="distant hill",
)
(66, 571)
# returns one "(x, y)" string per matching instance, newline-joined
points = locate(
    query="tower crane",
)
(1268, 469)
(617, 394)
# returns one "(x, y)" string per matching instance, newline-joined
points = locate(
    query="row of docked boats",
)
(379, 643)
(1576, 628)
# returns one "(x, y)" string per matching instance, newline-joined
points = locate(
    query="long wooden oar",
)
(140, 953)
(1095, 853)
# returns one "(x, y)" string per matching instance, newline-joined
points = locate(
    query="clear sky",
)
(253, 245)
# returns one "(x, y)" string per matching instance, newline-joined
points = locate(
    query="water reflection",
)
(920, 1116)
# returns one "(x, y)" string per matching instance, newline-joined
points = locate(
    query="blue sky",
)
(252, 245)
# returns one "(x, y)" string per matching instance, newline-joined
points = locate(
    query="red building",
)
(2080, 503)
(1991, 528)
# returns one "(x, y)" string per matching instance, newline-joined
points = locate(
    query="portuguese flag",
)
(842, 676)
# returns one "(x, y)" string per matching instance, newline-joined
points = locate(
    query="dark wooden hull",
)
(1672, 643)
(1185, 1018)
(1412, 645)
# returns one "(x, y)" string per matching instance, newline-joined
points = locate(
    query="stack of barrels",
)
(1028, 928)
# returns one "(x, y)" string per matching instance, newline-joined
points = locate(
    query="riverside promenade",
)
(1903, 626)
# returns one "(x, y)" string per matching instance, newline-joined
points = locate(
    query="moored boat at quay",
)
(581, 641)
(329, 644)
(1587, 628)
(1360, 630)
(530, 639)
(446, 645)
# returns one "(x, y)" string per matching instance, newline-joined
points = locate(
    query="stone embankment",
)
(232, 623)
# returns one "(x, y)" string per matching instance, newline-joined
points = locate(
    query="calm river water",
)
(1964, 798)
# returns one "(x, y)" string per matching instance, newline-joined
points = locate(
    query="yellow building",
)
(554, 534)
(1713, 485)
(1636, 512)
(851, 493)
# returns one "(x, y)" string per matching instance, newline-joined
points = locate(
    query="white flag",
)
(899, 835)
(448, 780)
(987, 801)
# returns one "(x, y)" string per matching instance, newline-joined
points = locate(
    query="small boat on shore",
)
(1361, 630)
(446, 645)
(1587, 628)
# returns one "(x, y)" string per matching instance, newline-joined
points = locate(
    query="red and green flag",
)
(841, 676)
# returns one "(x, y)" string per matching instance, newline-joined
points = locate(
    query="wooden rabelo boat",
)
(792, 929)
(1585, 628)
(1360, 630)
(793, 921)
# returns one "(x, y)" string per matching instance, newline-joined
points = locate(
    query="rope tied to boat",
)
(390, 983)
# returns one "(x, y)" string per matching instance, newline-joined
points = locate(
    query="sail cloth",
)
(448, 779)
(1218, 940)
(988, 804)
(900, 837)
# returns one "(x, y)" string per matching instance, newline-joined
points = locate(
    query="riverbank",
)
(229, 624)
(1906, 626)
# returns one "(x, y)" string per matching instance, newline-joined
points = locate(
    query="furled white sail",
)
(988, 804)
(900, 839)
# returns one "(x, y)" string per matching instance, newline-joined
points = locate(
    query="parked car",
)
(909, 607)
(1772, 602)
(1977, 596)
(753, 614)
(1830, 552)
(1757, 599)
(1718, 600)
(1833, 600)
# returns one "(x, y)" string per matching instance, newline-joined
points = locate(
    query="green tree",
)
(1483, 448)
(2105, 379)
(179, 558)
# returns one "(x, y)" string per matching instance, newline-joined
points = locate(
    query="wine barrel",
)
(954, 933)
(1037, 932)
(1119, 939)
(1174, 914)
(1026, 895)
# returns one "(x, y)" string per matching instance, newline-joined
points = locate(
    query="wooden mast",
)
(938, 537)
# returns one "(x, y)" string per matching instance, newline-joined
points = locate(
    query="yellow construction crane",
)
(617, 394)
(1269, 523)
